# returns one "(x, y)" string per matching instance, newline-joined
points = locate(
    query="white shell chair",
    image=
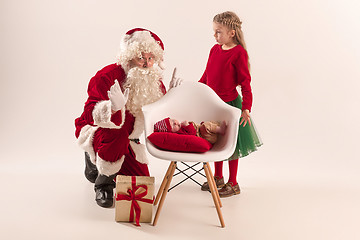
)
(196, 102)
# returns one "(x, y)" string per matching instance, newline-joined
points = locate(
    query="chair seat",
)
(193, 101)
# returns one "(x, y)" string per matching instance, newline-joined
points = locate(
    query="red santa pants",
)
(111, 144)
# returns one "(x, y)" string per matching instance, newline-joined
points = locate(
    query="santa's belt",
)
(135, 140)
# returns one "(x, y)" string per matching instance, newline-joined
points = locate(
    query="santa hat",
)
(139, 40)
(163, 125)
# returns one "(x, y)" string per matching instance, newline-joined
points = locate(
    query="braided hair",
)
(232, 22)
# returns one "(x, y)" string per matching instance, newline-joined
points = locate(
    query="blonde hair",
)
(232, 22)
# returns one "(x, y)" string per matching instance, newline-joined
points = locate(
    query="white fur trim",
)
(139, 126)
(140, 152)
(102, 115)
(85, 141)
(108, 168)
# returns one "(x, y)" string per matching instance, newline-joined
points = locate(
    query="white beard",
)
(144, 86)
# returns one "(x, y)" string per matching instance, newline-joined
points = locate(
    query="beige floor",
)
(48, 200)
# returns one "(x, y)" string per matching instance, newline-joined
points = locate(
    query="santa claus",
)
(112, 121)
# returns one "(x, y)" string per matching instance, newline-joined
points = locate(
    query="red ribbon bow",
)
(133, 197)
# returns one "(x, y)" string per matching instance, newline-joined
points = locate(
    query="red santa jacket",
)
(97, 110)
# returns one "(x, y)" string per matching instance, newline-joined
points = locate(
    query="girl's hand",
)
(245, 118)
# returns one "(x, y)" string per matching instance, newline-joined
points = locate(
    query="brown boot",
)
(229, 190)
(219, 184)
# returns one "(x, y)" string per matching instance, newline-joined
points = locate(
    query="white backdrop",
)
(304, 55)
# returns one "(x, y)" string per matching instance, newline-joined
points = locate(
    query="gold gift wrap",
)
(134, 198)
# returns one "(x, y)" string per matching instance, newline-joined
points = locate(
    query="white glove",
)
(116, 97)
(175, 81)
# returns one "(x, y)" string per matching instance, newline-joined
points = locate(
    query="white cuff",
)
(102, 115)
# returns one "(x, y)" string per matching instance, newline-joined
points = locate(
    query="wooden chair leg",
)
(163, 183)
(172, 168)
(213, 180)
(213, 193)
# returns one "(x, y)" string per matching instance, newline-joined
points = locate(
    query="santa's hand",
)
(175, 81)
(116, 97)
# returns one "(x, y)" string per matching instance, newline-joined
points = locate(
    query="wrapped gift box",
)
(134, 198)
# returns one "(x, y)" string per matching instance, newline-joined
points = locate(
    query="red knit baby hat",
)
(163, 125)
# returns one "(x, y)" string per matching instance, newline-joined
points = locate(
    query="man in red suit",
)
(112, 121)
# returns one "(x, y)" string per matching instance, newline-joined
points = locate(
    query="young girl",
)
(227, 67)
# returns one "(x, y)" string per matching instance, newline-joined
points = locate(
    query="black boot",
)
(91, 171)
(104, 190)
